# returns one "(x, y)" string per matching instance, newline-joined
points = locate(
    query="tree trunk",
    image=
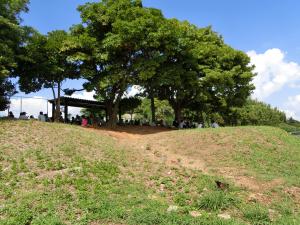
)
(153, 117)
(120, 114)
(131, 115)
(178, 112)
(57, 107)
(54, 102)
(112, 110)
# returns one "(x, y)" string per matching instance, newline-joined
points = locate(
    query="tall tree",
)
(179, 72)
(108, 44)
(227, 81)
(45, 65)
(128, 105)
(202, 72)
(12, 36)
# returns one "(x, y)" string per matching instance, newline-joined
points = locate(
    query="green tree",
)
(190, 51)
(163, 111)
(12, 36)
(128, 105)
(44, 64)
(108, 45)
(258, 113)
(228, 82)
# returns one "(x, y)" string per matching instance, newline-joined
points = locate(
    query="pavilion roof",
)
(81, 103)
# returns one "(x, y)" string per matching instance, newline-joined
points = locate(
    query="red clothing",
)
(84, 122)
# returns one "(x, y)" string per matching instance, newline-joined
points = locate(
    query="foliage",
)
(258, 113)
(108, 43)
(12, 36)
(7, 90)
(44, 65)
(121, 43)
(163, 111)
(128, 105)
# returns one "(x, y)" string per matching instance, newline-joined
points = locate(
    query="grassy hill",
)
(62, 174)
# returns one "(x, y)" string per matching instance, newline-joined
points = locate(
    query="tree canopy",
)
(12, 36)
(45, 65)
(121, 43)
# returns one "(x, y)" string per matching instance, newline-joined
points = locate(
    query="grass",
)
(60, 174)
(269, 156)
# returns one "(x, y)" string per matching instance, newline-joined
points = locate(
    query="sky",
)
(267, 30)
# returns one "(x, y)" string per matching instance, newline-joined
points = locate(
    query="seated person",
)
(73, 120)
(46, 117)
(84, 121)
(215, 125)
(175, 124)
(41, 117)
(182, 124)
(200, 125)
(11, 115)
(23, 116)
(78, 120)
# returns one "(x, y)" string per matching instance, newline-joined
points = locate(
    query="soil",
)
(162, 145)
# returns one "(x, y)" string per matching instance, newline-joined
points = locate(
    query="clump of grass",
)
(181, 199)
(216, 200)
(256, 214)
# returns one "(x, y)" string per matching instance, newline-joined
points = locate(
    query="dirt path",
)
(165, 146)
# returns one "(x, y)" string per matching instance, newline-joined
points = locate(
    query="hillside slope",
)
(61, 174)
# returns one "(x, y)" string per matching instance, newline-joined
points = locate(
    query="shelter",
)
(76, 102)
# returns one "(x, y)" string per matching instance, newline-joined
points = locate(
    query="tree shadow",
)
(137, 130)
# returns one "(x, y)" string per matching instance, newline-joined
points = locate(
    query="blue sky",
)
(268, 30)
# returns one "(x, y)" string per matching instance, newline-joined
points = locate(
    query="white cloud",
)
(293, 107)
(273, 72)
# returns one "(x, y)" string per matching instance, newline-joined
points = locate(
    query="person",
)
(175, 123)
(41, 117)
(61, 119)
(181, 124)
(11, 115)
(78, 120)
(215, 125)
(31, 117)
(46, 117)
(23, 116)
(200, 125)
(73, 120)
(91, 119)
(84, 121)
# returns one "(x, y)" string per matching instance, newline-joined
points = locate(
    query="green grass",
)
(216, 200)
(272, 154)
(60, 174)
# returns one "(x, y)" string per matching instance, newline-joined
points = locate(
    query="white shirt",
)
(23, 117)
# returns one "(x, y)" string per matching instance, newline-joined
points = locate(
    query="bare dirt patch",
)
(199, 151)
(293, 192)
